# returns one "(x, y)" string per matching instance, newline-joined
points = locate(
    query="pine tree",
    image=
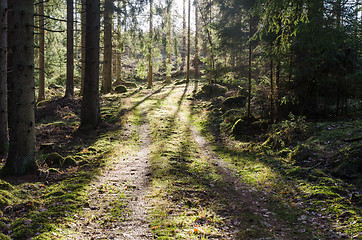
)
(107, 62)
(188, 43)
(21, 158)
(3, 79)
(69, 92)
(196, 40)
(168, 41)
(90, 112)
(150, 67)
(41, 57)
(83, 30)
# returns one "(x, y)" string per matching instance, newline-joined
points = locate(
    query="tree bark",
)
(4, 139)
(41, 62)
(90, 112)
(150, 70)
(69, 91)
(249, 72)
(188, 43)
(168, 43)
(277, 83)
(196, 40)
(83, 30)
(107, 62)
(183, 54)
(271, 91)
(21, 158)
(120, 46)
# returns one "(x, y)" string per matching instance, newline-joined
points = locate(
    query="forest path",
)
(166, 182)
(117, 202)
(194, 193)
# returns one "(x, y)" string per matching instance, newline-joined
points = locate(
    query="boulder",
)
(120, 89)
(54, 159)
(234, 102)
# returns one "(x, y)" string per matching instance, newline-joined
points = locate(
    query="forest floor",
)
(154, 171)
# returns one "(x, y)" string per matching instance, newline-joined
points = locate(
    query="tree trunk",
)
(168, 42)
(150, 70)
(120, 45)
(277, 84)
(249, 71)
(188, 43)
(183, 54)
(4, 140)
(107, 62)
(83, 30)
(90, 112)
(41, 62)
(21, 158)
(69, 91)
(196, 40)
(338, 98)
(271, 90)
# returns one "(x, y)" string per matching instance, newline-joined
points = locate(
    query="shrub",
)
(287, 131)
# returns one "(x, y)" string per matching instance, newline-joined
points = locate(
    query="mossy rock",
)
(54, 159)
(231, 113)
(120, 89)
(78, 158)
(242, 91)
(180, 82)
(6, 198)
(234, 102)
(92, 149)
(5, 185)
(53, 170)
(43, 103)
(69, 161)
(212, 90)
(348, 168)
(238, 128)
(349, 164)
(23, 232)
(301, 153)
(4, 237)
(55, 86)
(175, 74)
(47, 147)
(128, 84)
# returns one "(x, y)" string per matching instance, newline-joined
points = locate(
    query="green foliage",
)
(286, 132)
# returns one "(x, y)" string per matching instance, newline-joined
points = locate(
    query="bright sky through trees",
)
(176, 15)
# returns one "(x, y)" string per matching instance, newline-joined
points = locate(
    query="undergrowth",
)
(42, 206)
(307, 165)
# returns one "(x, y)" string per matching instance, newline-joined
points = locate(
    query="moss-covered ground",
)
(297, 180)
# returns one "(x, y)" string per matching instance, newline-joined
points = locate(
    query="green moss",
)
(69, 161)
(4, 237)
(45, 236)
(5, 185)
(6, 198)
